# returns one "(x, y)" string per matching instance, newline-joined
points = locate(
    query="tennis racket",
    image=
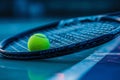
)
(66, 37)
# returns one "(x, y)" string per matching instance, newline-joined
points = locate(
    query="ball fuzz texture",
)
(38, 42)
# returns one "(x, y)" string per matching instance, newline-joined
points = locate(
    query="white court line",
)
(77, 71)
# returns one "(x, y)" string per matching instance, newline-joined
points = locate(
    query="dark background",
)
(56, 8)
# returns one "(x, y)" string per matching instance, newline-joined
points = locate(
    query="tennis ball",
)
(38, 42)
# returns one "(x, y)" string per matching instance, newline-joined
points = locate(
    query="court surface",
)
(99, 63)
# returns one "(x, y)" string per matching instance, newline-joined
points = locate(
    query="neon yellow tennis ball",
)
(38, 42)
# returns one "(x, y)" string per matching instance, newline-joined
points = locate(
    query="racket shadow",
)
(72, 58)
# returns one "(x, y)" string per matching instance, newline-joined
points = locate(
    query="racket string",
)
(12, 48)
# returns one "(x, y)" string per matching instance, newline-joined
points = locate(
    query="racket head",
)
(66, 37)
